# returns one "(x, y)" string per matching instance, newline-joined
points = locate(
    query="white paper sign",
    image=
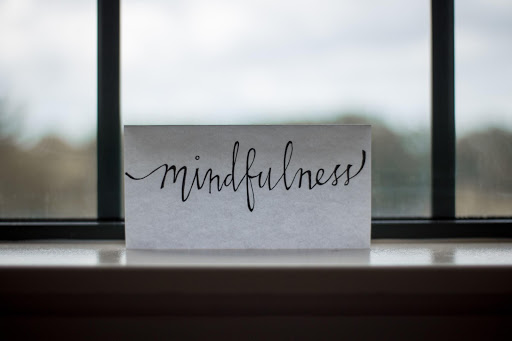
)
(247, 187)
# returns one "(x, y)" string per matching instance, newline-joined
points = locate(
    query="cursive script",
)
(304, 178)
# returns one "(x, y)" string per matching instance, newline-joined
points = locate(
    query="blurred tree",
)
(484, 165)
(56, 180)
(49, 180)
(400, 167)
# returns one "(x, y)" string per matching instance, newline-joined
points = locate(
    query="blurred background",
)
(254, 62)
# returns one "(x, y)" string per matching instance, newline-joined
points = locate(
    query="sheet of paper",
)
(247, 187)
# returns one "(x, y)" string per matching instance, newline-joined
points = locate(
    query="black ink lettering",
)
(286, 162)
(264, 178)
(248, 179)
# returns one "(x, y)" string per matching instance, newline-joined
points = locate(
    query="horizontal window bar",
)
(381, 229)
(61, 229)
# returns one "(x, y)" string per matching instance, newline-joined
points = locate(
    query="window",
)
(48, 109)
(278, 62)
(483, 108)
(284, 69)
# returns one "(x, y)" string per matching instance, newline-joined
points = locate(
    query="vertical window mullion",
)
(109, 121)
(443, 110)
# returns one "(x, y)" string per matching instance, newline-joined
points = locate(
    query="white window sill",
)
(383, 253)
(406, 277)
(397, 290)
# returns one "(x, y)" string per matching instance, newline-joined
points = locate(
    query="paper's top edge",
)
(242, 125)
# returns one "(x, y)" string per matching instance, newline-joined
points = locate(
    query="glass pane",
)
(277, 62)
(483, 50)
(47, 109)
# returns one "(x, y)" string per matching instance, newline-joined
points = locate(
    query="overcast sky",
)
(235, 62)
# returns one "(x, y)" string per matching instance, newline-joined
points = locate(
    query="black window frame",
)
(110, 223)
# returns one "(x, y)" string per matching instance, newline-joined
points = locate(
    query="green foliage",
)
(54, 179)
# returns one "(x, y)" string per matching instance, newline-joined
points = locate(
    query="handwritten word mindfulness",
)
(302, 178)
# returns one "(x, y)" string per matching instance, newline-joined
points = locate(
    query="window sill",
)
(405, 277)
(400, 290)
